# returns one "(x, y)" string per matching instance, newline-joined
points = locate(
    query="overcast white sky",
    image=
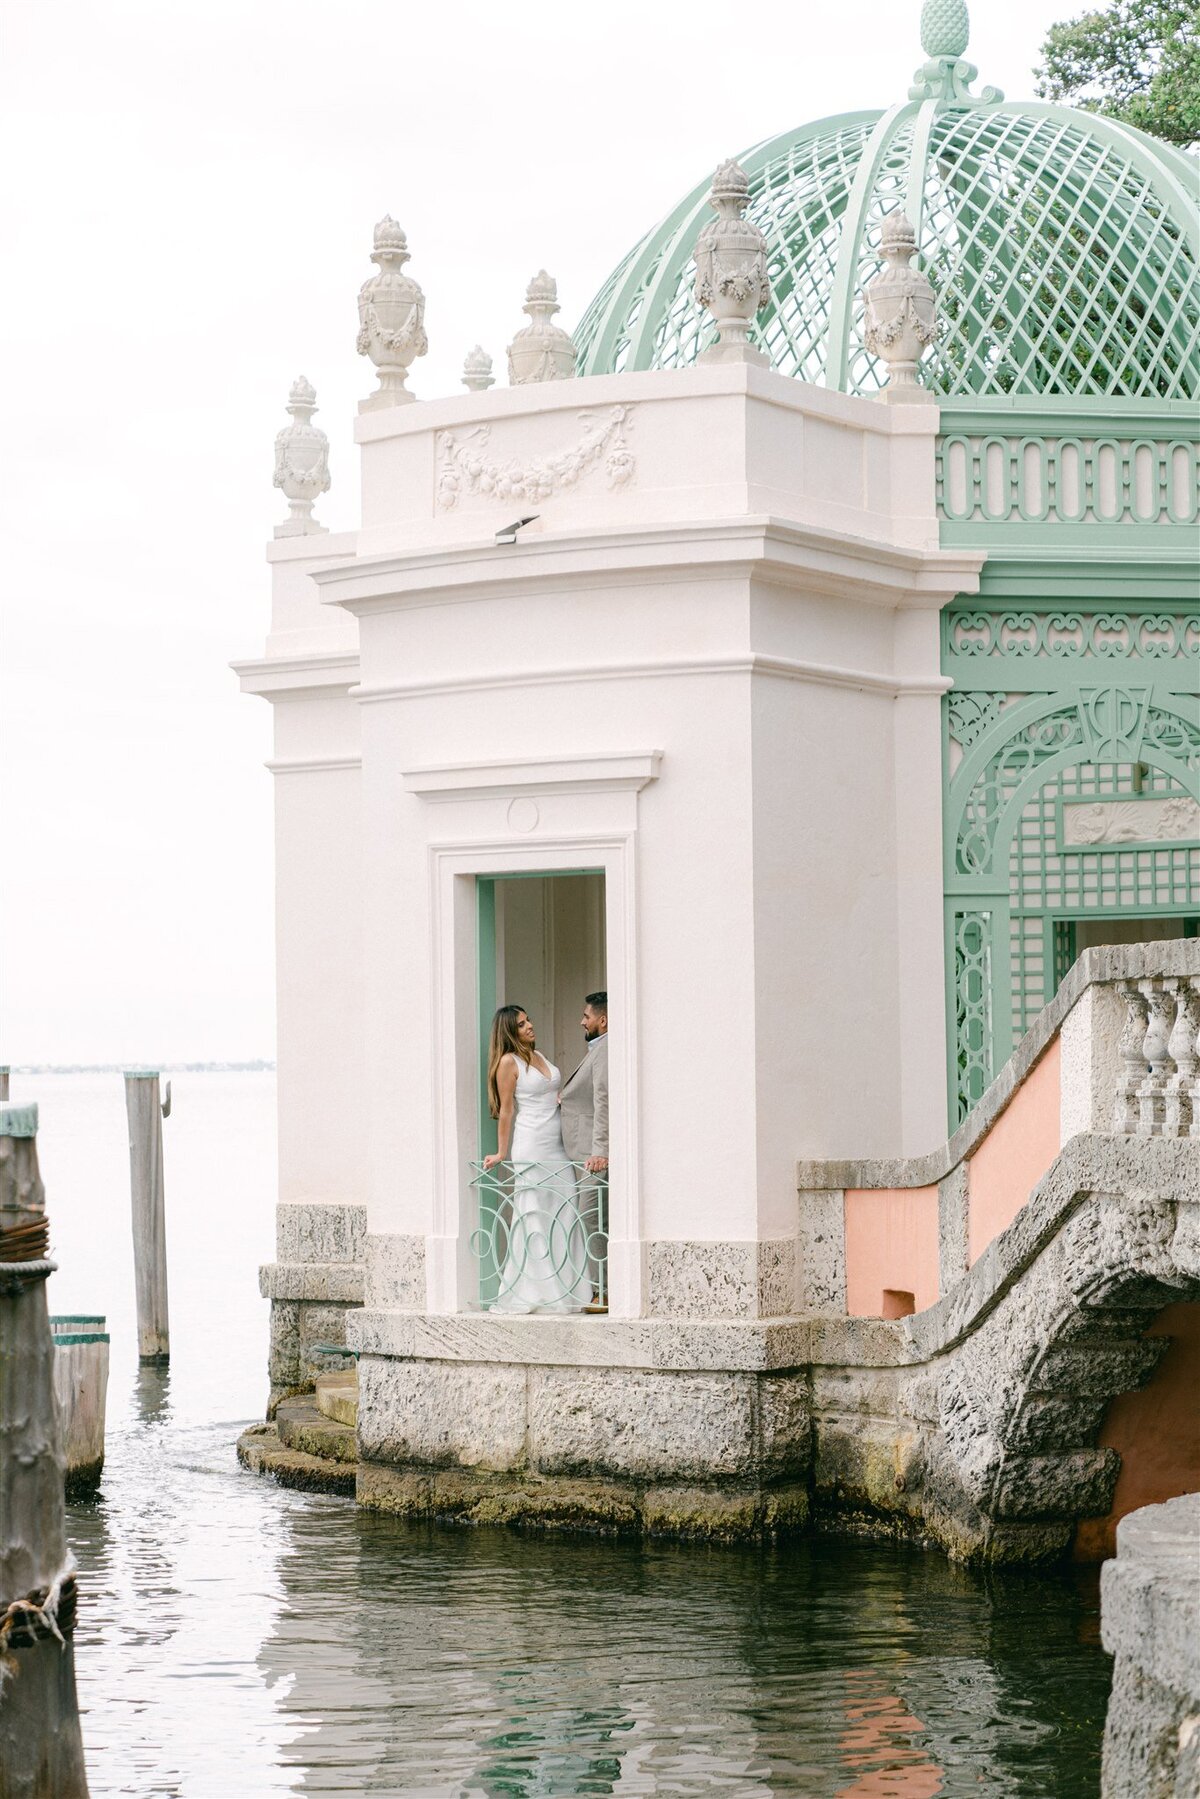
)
(190, 194)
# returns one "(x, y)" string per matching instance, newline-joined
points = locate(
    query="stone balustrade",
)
(1159, 1082)
(1115, 1053)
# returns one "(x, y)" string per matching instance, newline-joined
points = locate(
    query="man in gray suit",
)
(584, 1102)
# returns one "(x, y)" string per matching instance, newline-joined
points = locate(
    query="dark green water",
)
(236, 1641)
(239, 1640)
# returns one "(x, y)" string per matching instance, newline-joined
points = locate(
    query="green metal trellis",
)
(1057, 708)
(1064, 249)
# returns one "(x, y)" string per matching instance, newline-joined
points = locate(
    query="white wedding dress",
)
(545, 1260)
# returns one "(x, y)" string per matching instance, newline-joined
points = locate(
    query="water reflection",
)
(237, 1640)
(420, 1661)
(879, 1740)
(176, 1593)
(152, 1393)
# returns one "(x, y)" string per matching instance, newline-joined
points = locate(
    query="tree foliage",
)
(1133, 60)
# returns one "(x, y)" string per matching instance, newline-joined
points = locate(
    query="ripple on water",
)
(237, 1641)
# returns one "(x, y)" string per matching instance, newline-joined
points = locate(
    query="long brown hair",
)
(504, 1042)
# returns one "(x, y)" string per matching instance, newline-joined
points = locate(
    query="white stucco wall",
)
(717, 680)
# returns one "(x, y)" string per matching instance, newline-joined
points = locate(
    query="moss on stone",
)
(260, 1450)
(301, 1426)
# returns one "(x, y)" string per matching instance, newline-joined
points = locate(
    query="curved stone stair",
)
(311, 1444)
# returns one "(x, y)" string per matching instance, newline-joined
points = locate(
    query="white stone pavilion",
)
(804, 651)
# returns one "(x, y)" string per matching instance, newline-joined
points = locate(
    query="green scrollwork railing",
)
(1098, 477)
(541, 1241)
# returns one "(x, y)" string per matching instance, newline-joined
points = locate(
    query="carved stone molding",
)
(1173, 819)
(466, 467)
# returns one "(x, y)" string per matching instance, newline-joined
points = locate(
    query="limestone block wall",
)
(975, 1423)
(972, 1425)
(1150, 1623)
(319, 1277)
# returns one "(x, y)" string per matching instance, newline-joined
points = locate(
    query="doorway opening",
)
(1073, 935)
(541, 946)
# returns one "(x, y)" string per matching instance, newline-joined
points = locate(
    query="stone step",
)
(301, 1426)
(337, 1397)
(260, 1450)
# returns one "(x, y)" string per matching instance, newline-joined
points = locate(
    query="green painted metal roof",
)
(1064, 247)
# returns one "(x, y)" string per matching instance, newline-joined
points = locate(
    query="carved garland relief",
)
(465, 465)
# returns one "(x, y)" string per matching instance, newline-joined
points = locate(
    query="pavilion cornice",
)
(831, 563)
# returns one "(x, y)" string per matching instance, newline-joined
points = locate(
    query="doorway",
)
(1073, 935)
(541, 947)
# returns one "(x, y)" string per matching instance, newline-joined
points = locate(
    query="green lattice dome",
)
(1063, 246)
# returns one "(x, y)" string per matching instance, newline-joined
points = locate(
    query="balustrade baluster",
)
(1133, 1062)
(1179, 1109)
(1160, 998)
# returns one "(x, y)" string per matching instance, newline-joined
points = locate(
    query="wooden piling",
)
(41, 1748)
(4, 1073)
(81, 1388)
(145, 1113)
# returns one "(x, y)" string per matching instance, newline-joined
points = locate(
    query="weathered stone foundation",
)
(1150, 1599)
(318, 1278)
(971, 1425)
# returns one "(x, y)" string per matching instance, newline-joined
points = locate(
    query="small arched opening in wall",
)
(1155, 1430)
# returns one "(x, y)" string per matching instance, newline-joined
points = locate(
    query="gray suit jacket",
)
(585, 1105)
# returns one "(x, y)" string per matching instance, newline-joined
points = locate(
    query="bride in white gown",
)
(544, 1267)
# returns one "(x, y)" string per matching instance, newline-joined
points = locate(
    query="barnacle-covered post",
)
(731, 268)
(41, 1748)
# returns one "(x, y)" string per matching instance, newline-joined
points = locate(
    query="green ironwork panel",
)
(1064, 951)
(1092, 478)
(972, 1032)
(485, 967)
(541, 1238)
(998, 649)
(1072, 792)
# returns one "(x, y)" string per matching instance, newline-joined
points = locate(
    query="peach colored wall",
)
(1156, 1429)
(891, 1242)
(1015, 1154)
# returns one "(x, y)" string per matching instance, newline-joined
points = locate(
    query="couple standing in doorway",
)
(554, 1135)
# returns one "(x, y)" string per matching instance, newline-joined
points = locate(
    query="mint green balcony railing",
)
(541, 1243)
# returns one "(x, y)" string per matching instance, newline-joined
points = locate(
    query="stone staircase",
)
(311, 1443)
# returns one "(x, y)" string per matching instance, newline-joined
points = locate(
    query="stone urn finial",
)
(477, 374)
(391, 318)
(541, 350)
(731, 269)
(301, 462)
(900, 317)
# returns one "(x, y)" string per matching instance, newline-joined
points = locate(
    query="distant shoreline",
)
(256, 1067)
